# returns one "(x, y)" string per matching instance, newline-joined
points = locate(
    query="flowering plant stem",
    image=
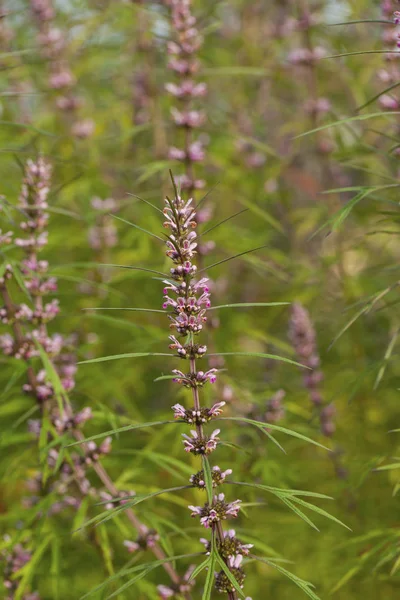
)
(189, 299)
(25, 345)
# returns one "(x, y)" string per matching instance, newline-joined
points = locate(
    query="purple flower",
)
(218, 511)
(200, 444)
(218, 477)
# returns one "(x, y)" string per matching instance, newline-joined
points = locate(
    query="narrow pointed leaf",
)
(118, 356)
(157, 237)
(348, 120)
(220, 262)
(248, 305)
(260, 355)
(229, 575)
(120, 430)
(303, 585)
(277, 428)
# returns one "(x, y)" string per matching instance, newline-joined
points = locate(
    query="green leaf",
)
(248, 305)
(299, 513)
(277, 428)
(320, 511)
(152, 310)
(361, 52)
(208, 478)
(55, 569)
(282, 491)
(348, 120)
(130, 571)
(385, 21)
(54, 379)
(387, 356)
(131, 581)
(209, 583)
(303, 585)
(260, 355)
(235, 71)
(138, 498)
(118, 356)
(104, 543)
(343, 213)
(229, 575)
(371, 100)
(120, 430)
(152, 169)
(200, 568)
(157, 237)
(220, 262)
(263, 214)
(203, 233)
(393, 466)
(29, 569)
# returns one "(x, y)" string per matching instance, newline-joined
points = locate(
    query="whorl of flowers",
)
(305, 59)
(188, 298)
(103, 234)
(303, 337)
(52, 44)
(389, 75)
(14, 560)
(184, 63)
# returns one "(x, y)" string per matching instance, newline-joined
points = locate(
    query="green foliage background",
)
(255, 104)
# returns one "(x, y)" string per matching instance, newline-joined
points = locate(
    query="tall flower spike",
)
(303, 337)
(182, 50)
(189, 299)
(390, 73)
(52, 45)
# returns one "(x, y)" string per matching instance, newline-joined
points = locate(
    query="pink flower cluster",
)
(390, 73)
(148, 538)
(53, 46)
(303, 337)
(217, 511)
(197, 416)
(103, 234)
(189, 300)
(176, 590)
(184, 63)
(14, 560)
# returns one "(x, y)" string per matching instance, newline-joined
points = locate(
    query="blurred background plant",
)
(326, 207)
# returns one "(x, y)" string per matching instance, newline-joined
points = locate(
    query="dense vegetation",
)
(282, 120)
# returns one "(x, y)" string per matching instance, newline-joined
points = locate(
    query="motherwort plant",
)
(50, 361)
(188, 296)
